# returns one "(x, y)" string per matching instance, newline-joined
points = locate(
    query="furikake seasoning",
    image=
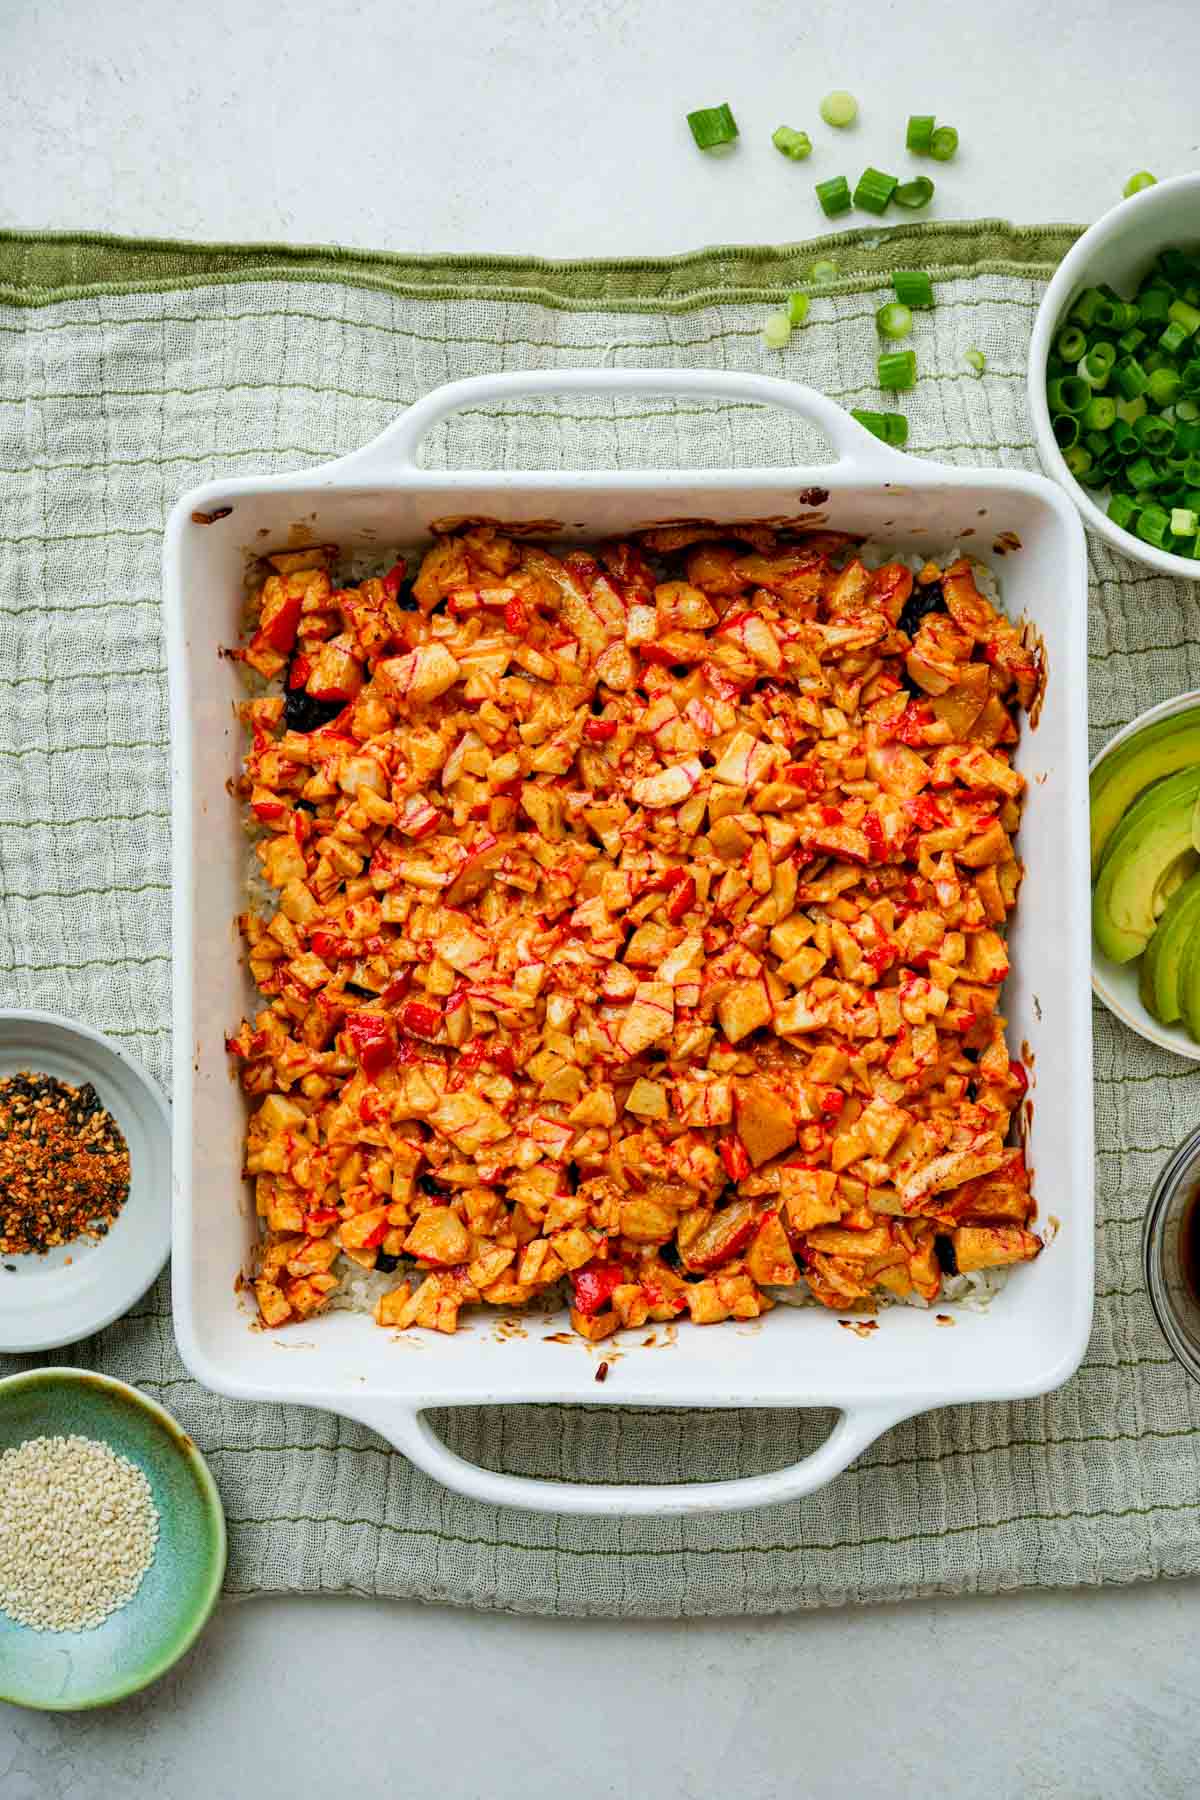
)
(64, 1164)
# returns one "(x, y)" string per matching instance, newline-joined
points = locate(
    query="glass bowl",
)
(1171, 1270)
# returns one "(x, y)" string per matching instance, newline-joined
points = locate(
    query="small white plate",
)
(70, 1292)
(1116, 984)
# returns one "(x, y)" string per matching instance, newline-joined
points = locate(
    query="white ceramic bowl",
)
(1117, 983)
(1118, 248)
(71, 1292)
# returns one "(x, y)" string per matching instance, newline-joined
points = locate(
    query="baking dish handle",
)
(395, 449)
(410, 1432)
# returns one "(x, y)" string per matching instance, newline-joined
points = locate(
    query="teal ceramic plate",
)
(69, 1670)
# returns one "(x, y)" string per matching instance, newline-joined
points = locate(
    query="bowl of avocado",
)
(1145, 846)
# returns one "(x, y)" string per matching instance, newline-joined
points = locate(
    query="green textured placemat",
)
(131, 370)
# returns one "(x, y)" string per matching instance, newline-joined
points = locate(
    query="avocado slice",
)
(1189, 984)
(1157, 751)
(1184, 785)
(1123, 901)
(1164, 954)
(1174, 878)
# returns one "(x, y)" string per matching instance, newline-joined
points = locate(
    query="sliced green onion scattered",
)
(912, 287)
(976, 360)
(891, 427)
(839, 109)
(897, 369)
(1135, 184)
(797, 308)
(1183, 522)
(919, 134)
(943, 143)
(713, 127)
(824, 271)
(894, 320)
(796, 144)
(777, 329)
(834, 196)
(915, 193)
(875, 190)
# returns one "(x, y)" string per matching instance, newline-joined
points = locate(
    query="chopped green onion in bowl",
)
(1123, 392)
(713, 127)
(839, 109)
(795, 144)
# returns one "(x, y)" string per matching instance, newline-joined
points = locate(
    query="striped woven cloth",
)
(130, 371)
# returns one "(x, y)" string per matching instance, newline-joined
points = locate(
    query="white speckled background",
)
(539, 127)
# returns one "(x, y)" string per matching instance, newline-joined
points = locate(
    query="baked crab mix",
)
(638, 928)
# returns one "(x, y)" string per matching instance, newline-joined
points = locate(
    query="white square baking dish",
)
(1032, 1337)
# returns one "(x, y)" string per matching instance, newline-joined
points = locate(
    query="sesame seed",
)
(78, 1530)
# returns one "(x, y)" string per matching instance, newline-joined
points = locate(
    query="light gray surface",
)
(557, 126)
(1068, 1695)
(534, 125)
